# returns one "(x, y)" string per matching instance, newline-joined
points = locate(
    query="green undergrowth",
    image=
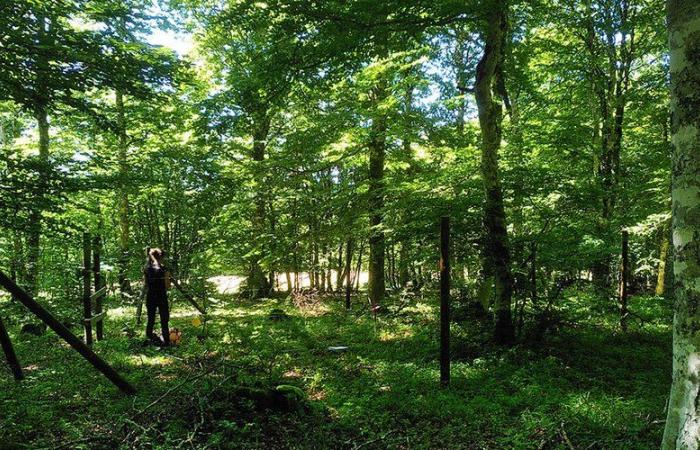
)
(262, 380)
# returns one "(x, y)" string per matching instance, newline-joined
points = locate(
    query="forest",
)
(351, 224)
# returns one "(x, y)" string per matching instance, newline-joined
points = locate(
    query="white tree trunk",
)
(683, 421)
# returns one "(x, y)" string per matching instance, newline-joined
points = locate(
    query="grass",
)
(587, 384)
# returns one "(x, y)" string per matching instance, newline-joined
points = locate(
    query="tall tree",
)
(611, 43)
(50, 65)
(490, 119)
(377, 149)
(683, 420)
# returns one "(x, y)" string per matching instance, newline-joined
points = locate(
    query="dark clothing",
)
(156, 298)
(155, 282)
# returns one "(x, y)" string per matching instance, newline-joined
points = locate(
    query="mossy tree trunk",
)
(490, 120)
(683, 420)
(257, 283)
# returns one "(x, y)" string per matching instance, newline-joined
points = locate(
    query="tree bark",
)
(445, 301)
(288, 277)
(663, 256)
(87, 302)
(624, 280)
(610, 84)
(490, 120)
(35, 216)
(377, 148)
(257, 283)
(683, 419)
(403, 264)
(358, 272)
(348, 272)
(97, 276)
(123, 198)
(340, 274)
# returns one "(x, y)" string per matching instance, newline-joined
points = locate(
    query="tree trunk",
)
(445, 301)
(35, 219)
(348, 273)
(624, 280)
(610, 86)
(377, 148)
(123, 200)
(533, 272)
(96, 271)
(683, 420)
(87, 302)
(490, 120)
(663, 255)
(358, 272)
(257, 283)
(403, 264)
(17, 264)
(340, 274)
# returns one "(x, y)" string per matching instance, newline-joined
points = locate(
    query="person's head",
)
(155, 256)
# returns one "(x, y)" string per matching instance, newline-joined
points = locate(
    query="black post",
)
(533, 272)
(10, 353)
(96, 249)
(77, 344)
(87, 302)
(445, 301)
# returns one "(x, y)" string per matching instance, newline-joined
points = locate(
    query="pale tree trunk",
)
(624, 280)
(377, 148)
(490, 120)
(683, 420)
(123, 197)
(663, 259)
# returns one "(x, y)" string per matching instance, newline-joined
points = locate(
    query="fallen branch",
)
(380, 438)
(565, 438)
(173, 389)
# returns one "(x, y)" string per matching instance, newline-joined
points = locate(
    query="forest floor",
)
(585, 386)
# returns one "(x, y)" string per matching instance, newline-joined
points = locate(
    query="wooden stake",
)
(10, 353)
(77, 344)
(445, 301)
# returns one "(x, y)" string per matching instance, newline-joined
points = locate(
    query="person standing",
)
(157, 283)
